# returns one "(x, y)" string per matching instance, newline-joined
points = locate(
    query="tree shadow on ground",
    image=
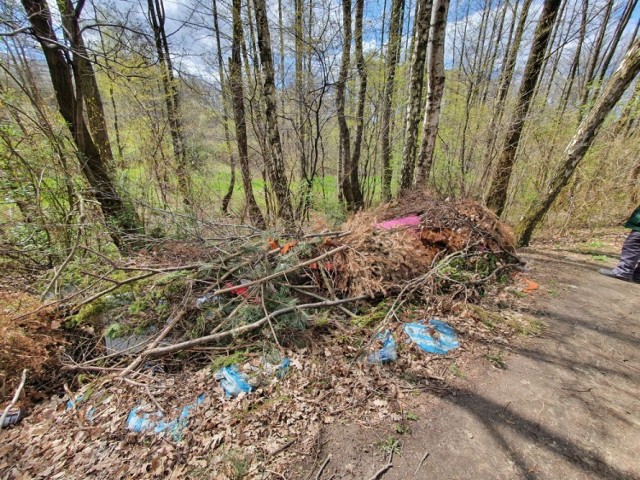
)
(494, 415)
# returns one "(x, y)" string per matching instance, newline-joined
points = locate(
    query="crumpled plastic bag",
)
(143, 422)
(232, 381)
(435, 337)
(388, 352)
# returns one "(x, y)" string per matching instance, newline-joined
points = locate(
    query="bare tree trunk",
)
(463, 43)
(552, 52)
(281, 38)
(494, 54)
(225, 114)
(237, 97)
(412, 119)
(615, 39)
(573, 70)
(275, 163)
(506, 77)
(595, 56)
(89, 84)
(344, 156)
(354, 162)
(498, 191)
(435, 88)
(301, 122)
(581, 141)
(120, 216)
(157, 18)
(393, 54)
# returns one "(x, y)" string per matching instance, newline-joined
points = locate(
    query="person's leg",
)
(629, 257)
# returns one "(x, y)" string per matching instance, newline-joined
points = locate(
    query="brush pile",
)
(402, 240)
(140, 342)
(221, 292)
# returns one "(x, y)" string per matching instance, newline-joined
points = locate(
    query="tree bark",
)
(494, 54)
(157, 19)
(393, 54)
(498, 191)
(412, 119)
(88, 83)
(275, 161)
(354, 162)
(573, 70)
(581, 141)
(595, 56)
(237, 98)
(506, 77)
(615, 40)
(435, 89)
(344, 155)
(120, 215)
(225, 114)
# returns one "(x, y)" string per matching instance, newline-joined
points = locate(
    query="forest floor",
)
(563, 404)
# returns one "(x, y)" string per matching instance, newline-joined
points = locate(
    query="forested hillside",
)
(239, 238)
(153, 118)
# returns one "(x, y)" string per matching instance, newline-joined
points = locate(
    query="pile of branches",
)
(231, 286)
(382, 259)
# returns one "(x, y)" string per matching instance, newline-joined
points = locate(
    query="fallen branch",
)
(424, 457)
(283, 272)
(323, 466)
(148, 273)
(15, 398)
(159, 351)
(140, 358)
(320, 297)
(379, 473)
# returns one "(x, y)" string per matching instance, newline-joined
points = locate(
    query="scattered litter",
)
(12, 417)
(144, 422)
(91, 414)
(531, 286)
(232, 381)
(133, 343)
(207, 300)
(412, 222)
(284, 367)
(74, 402)
(388, 352)
(435, 337)
(239, 290)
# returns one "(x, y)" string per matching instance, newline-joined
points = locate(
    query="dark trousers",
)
(629, 266)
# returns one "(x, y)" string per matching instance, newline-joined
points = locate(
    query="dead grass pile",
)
(377, 260)
(25, 341)
(381, 258)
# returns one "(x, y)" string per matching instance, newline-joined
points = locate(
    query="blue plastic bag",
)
(155, 421)
(283, 368)
(388, 352)
(444, 341)
(232, 381)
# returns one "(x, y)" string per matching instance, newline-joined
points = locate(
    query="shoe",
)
(609, 273)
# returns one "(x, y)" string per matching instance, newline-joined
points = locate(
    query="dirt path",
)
(567, 406)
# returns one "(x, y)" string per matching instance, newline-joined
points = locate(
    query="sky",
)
(189, 26)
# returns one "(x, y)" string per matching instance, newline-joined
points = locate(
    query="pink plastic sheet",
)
(411, 222)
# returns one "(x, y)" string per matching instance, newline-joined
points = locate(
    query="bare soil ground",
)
(566, 404)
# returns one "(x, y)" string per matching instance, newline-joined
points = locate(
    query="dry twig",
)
(323, 466)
